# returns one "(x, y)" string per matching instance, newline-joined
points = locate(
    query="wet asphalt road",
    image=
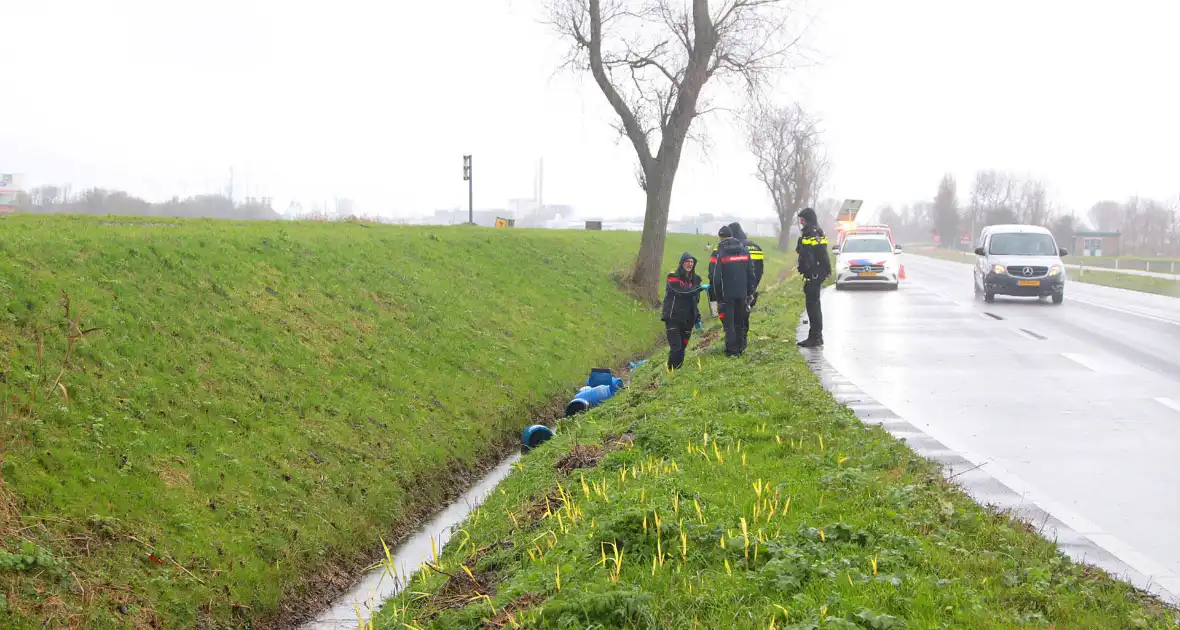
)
(1075, 407)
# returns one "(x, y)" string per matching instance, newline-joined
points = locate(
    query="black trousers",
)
(736, 320)
(745, 332)
(678, 336)
(815, 315)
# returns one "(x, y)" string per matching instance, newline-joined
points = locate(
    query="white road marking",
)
(1126, 311)
(1084, 361)
(1169, 403)
(1074, 520)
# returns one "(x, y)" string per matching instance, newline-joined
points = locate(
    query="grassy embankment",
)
(210, 423)
(1157, 265)
(738, 494)
(1145, 284)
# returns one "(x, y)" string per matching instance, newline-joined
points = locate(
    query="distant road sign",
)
(849, 209)
(966, 240)
(501, 222)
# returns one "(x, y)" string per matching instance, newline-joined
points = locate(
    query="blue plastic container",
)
(588, 398)
(534, 436)
(599, 376)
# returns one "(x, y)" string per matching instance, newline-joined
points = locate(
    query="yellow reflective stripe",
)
(756, 254)
(823, 240)
(807, 240)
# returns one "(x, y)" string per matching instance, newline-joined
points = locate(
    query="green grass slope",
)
(738, 494)
(205, 422)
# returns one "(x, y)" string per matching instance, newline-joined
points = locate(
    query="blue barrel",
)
(534, 436)
(599, 376)
(587, 398)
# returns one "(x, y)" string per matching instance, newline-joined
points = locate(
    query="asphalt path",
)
(1075, 407)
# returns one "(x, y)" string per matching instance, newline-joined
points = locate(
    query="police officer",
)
(757, 257)
(731, 280)
(815, 267)
(681, 312)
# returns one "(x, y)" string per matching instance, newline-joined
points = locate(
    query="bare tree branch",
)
(652, 60)
(788, 150)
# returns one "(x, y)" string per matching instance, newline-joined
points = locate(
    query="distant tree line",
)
(101, 201)
(1149, 227)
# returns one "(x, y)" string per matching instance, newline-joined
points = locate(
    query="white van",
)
(1019, 260)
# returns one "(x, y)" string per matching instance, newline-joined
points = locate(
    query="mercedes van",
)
(1019, 260)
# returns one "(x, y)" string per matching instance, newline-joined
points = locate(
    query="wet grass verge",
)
(746, 497)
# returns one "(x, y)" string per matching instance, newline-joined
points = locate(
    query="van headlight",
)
(999, 269)
(1055, 270)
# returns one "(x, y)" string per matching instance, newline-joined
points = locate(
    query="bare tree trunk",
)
(784, 234)
(645, 277)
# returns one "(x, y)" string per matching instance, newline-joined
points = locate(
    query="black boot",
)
(812, 342)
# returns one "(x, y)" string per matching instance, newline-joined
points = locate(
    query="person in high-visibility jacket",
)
(731, 280)
(815, 267)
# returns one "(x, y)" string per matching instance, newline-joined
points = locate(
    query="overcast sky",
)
(378, 101)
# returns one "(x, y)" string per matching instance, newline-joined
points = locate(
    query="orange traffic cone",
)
(901, 274)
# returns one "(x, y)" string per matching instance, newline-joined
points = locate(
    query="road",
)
(1075, 407)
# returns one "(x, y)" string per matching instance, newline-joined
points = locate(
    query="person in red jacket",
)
(682, 295)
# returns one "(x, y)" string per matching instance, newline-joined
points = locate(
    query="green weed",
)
(749, 498)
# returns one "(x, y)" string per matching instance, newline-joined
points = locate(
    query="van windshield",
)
(1022, 244)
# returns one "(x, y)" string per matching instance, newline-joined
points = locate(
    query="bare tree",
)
(993, 200)
(1033, 206)
(946, 211)
(1108, 216)
(652, 60)
(791, 163)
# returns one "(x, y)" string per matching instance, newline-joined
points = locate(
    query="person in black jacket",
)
(731, 279)
(756, 254)
(815, 267)
(682, 294)
(757, 258)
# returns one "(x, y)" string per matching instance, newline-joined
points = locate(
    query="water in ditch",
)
(377, 586)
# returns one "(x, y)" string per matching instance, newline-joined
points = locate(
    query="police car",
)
(866, 258)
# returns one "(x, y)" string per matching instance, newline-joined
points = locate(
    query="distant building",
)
(1096, 243)
(11, 191)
